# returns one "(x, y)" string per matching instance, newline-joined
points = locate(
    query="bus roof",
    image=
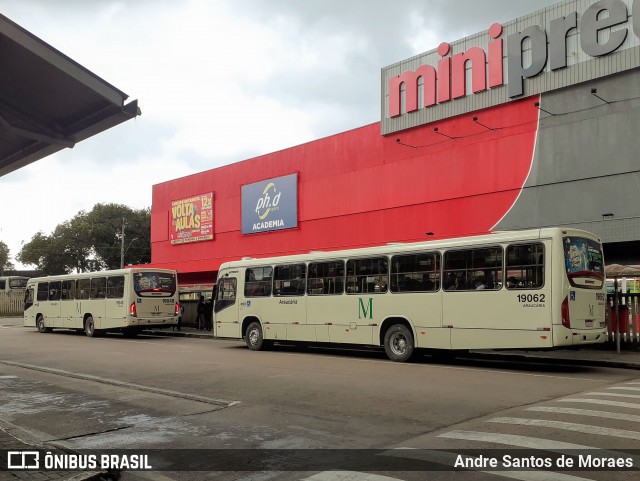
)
(400, 247)
(115, 272)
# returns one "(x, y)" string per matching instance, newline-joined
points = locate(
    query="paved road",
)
(155, 392)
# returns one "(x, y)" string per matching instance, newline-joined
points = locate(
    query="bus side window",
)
(43, 291)
(525, 266)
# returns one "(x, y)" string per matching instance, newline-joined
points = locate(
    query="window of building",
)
(473, 269)
(525, 266)
(3, 284)
(258, 282)
(289, 280)
(369, 275)
(415, 272)
(115, 287)
(98, 288)
(326, 278)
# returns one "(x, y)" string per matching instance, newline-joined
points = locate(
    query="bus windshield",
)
(150, 283)
(18, 283)
(583, 262)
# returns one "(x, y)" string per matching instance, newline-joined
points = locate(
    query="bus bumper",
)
(155, 323)
(588, 336)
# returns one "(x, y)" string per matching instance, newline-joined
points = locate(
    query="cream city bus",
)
(12, 295)
(124, 300)
(533, 289)
(13, 283)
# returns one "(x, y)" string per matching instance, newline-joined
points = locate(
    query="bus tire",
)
(41, 326)
(398, 343)
(90, 327)
(254, 337)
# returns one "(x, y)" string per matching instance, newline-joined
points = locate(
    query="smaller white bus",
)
(13, 283)
(12, 294)
(124, 300)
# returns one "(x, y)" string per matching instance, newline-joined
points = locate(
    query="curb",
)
(552, 360)
(495, 356)
(30, 440)
(178, 334)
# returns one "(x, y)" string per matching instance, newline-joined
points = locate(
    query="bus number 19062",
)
(530, 297)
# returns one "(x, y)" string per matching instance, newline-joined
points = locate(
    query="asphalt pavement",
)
(603, 355)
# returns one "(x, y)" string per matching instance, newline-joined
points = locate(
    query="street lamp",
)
(124, 252)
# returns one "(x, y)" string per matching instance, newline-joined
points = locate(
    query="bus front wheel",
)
(40, 325)
(398, 343)
(254, 337)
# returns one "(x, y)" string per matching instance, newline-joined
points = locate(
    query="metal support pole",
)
(616, 309)
(122, 245)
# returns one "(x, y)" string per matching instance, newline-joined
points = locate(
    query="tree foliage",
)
(4, 257)
(92, 241)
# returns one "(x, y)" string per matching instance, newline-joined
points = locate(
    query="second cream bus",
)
(124, 300)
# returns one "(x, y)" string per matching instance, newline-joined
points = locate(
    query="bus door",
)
(225, 308)
(29, 310)
(289, 283)
(68, 305)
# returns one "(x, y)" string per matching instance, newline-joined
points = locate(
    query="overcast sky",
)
(218, 81)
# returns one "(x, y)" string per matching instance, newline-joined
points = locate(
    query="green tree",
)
(4, 257)
(92, 241)
(106, 221)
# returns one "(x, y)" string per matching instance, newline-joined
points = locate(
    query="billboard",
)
(191, 220)
(270, 205)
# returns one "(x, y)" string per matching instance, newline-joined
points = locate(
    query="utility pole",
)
(122, 245)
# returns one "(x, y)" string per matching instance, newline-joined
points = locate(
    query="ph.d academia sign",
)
(270, 205)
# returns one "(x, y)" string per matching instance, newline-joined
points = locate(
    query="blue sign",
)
(270, 205)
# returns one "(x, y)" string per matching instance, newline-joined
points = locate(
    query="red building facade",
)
(460, 149)
(359, 188)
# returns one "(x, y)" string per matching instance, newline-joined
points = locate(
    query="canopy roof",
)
(48, 101)
(617, 270)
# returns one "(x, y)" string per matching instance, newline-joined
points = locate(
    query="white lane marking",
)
(513, 440)
(580, 428)
(586, 412)
(612, 394)
(442, 457)
(600, 402)
(348, 476)
(8, 377)
(531, 443)
(625, 388)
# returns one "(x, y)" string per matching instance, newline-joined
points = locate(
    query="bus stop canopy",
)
(49, 102)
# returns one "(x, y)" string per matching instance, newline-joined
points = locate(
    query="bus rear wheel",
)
(41, 326)
(254, 337)
(90, 327)
(398, 343)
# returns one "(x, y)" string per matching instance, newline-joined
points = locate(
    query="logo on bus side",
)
(365, 311)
